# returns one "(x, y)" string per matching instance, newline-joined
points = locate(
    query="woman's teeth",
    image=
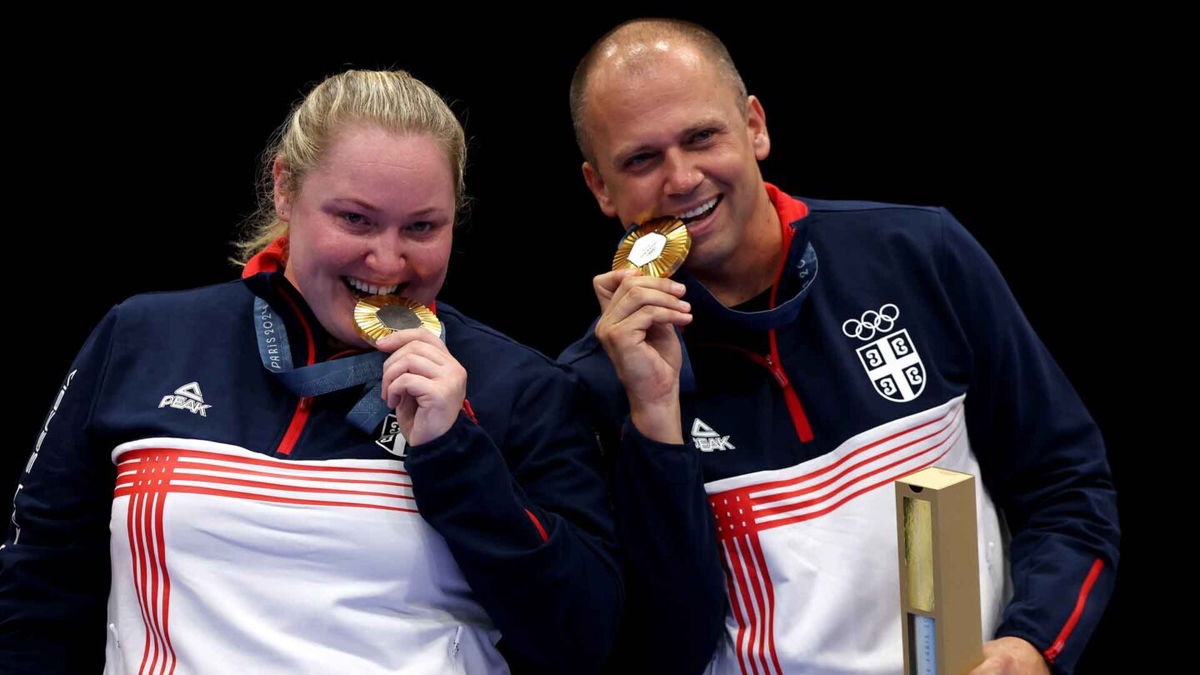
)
(701, 210)
(370, 289)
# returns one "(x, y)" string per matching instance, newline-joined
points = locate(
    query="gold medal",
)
(657, 247)
(380, 315)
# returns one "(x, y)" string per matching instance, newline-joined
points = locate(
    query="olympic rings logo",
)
(871, 322)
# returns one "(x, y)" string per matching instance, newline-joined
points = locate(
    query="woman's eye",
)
(356, 219)
(422, 226)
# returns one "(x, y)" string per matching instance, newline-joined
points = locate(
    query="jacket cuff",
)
(455, 443)
(671, 462)
(1064, 626)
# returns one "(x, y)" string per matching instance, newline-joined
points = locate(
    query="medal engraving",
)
(657, 247)
(647, 249)
(398, 317)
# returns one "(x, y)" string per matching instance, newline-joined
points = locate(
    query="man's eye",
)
(702, 136)
(638, 160)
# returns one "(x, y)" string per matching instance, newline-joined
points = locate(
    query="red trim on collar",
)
(790, 210)
(270, 259)
(788, 207)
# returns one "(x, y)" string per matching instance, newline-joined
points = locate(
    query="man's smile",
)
(700, 218)
(700, 211)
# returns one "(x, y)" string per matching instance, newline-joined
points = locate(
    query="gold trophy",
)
(939, 572)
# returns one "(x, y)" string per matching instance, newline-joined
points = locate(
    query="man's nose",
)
(682, 173)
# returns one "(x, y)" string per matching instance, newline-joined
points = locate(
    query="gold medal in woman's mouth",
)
(379, 315)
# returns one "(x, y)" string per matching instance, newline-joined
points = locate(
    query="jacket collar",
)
(270, 259)
(263, 275)
(797, 270)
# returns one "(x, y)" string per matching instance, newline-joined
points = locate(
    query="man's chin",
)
(699, 263)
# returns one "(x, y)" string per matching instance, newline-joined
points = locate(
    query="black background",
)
(140, 155)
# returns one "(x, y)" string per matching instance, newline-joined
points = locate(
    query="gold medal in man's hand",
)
(657, 247)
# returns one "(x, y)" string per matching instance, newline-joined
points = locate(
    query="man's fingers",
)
(633, 328)
(613, 286)
(606, 284)
(1011, 656)
(635, 297)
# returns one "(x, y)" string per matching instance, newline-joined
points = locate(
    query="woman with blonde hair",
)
(239, 480)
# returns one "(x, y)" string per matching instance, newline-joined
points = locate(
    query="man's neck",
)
(753, 268)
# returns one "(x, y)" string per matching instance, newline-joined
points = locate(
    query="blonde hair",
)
(393, 100)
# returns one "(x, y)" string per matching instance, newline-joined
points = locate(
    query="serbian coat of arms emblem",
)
(891, 361)
(894, 366)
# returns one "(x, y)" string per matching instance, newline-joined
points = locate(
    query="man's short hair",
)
(643, 30)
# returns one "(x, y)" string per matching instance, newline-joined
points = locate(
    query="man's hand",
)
(636, 328)
(1011, 655)
(423, 382)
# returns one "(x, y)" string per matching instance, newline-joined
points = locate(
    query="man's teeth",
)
(699, 209)
(371, 289)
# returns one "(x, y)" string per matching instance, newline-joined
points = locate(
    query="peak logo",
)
(187, 397)
(707, 440)
(390, 438)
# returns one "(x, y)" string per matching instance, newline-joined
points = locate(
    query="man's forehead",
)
(641, 64)
(629, 56)
(624, 95)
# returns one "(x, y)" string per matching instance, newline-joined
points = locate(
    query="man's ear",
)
(756, 123)
(599, 190)
(281, 190)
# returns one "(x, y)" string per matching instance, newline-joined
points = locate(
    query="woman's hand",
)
(423, 383)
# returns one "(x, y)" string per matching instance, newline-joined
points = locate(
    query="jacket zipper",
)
(799, 418)
(772, 364)
(295, 427)
(772, 361)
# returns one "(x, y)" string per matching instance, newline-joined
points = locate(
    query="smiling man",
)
(810, 353)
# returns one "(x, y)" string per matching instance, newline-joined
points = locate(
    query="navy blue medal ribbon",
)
(365, 370)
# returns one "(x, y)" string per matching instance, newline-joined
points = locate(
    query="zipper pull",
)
(780, 376)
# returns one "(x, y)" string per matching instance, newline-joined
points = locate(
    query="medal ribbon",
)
(364, 370)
